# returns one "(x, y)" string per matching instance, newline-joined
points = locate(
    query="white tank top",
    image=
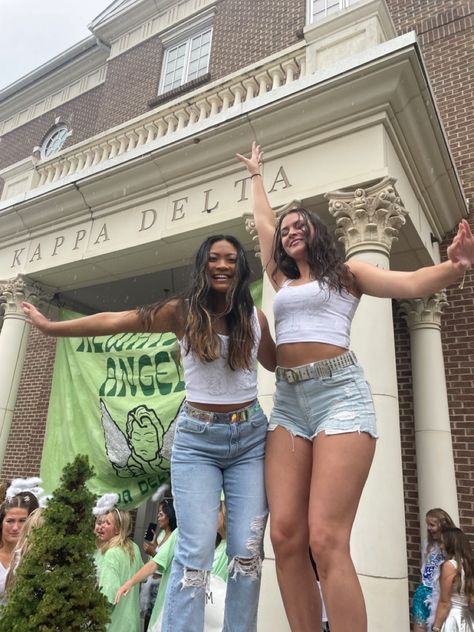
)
(313, 312)
(215, 382)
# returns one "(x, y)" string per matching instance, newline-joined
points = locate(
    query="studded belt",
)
(232, 417)
(322, 368)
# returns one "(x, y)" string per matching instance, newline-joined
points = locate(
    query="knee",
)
(327, 543)
(286, 540)
(194, 578)
(245, 567)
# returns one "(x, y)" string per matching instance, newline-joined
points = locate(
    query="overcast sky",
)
(34, 31)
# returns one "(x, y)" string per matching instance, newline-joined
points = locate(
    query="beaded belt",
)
(322, 368)
(232, 417)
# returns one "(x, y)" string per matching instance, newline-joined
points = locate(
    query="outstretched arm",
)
(103, 323)
(423, 282)
(262, 211)
(140, 576)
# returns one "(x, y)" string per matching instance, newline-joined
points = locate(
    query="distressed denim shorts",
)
(335, 405)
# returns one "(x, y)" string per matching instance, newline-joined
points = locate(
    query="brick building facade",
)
(245, 32)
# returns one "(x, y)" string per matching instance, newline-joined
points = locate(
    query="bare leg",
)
(418, 628)
(288, 464)
(341, 465)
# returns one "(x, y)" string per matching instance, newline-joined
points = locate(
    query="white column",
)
(434, 449)
(367, 222)
(13, 342)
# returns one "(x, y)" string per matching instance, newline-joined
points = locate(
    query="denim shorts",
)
(335, 405)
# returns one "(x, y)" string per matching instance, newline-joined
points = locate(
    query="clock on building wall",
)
(54, 140)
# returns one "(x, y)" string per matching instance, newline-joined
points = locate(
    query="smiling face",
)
(162, 519)
(434, 528)
(99, 521)
(12, 525)
(221, 265)
(294, 231)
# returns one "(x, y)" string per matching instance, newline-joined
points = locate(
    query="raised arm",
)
(140, 576)
(423, 282)
(105, 323)
(262, 211)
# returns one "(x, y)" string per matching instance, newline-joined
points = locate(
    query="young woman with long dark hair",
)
(221, 430)
(453, 613)
(322, 428)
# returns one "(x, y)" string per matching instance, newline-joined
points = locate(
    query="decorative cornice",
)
(424, 313)
(121, 37)
(367, 218)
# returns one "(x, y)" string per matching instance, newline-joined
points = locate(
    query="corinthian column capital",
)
(424, 313)
(14, 291)
(367, 219)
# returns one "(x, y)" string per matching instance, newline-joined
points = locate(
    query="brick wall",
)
(25, 442)
(132, 81)
(445, 33)
(79, 114)
(444, 30)
(243, 34)
(264, 27)
(407, 432)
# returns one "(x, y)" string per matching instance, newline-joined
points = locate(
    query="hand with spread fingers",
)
(255, 161)
(461, 250)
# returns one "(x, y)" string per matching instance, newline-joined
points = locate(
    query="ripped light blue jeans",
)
(206, 458)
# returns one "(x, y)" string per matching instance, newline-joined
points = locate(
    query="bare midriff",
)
(298, 353)
(220, 408)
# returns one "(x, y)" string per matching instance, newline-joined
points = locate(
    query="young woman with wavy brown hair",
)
(221, 429)
(322, 428)
(453, 613)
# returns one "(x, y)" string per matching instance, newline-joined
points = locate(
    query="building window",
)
(186, 60)
(54, 140)
(319, 9)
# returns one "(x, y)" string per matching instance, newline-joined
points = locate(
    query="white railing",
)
(181, 113)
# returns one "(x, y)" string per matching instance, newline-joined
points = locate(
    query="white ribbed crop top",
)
(313, 312)
(215, 382)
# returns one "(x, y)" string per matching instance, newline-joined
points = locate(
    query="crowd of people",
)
(310, 460)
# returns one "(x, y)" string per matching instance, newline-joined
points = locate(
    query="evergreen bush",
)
(56, 583)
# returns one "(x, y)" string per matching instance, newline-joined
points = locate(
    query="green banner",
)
(114, 398)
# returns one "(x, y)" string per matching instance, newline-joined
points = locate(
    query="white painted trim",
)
(162, 22)
(67, 93)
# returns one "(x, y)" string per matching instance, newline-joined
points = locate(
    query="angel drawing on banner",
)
(144, 446)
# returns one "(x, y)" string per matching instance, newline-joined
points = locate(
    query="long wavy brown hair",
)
(444, 521)
(198, 310)
(325, 262)
(457, 547)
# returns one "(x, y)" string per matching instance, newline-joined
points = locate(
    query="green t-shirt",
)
(164, 559)
(113, 570)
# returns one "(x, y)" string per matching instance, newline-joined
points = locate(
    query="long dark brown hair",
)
(197, 304)
(458, 547)
(325, 262)
(25, 500)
